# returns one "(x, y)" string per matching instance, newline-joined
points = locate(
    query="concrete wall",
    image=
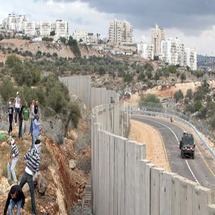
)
(125, 183)
(81, 86)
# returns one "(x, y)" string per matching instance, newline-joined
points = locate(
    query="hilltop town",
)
(120, 40)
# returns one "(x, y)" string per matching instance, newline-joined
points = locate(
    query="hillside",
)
(44, 47)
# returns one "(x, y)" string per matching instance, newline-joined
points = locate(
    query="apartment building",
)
(61, 28)
(20, 23)
(157, 36)
(166, 54)
(191, 58)
(146, 51)
(120, 32)
(14, 22)
(85, 37)
(172, 51)
(30, 29)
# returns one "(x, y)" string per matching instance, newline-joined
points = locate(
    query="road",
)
(201, 169)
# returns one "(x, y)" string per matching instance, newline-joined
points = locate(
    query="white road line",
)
(178, 144)
(192, 172)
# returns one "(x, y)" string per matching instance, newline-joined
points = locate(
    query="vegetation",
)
(51, 93)
(34, 72)
(150, 101)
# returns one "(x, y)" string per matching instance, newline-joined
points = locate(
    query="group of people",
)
(21, 115)
(32, 161)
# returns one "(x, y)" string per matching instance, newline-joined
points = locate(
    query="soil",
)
(155, 150)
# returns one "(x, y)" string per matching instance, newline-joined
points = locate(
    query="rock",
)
(4, 186)
(72, 164)
(72, 135)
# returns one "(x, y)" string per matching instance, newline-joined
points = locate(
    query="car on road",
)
(187, 145)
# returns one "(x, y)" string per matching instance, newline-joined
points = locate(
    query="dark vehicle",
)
(187, 145)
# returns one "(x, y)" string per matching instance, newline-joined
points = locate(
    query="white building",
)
(120, 32)
(145, 51)
(61, 28)
(166, 54)
(85, 37)
(19, 23)
(30, 28)
(157, 36)
(172, 51)
(80, 35)
(178, 52)
(191, 58)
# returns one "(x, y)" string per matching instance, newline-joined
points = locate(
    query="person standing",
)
(36, 129)
(10, 116)
(14, 155)
(25, 114)
(17, 105)
(36, 108)
(15, 197)
(32, 160)
(32, 114)
(20, 122)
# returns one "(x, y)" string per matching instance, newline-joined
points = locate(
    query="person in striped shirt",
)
(14, 156)
(32, 160)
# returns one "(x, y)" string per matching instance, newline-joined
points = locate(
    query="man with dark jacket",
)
(10, 116)
(32, 160)
(15, 197)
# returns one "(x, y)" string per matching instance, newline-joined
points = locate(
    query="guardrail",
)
(167, 115)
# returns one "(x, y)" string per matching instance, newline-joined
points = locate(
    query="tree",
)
(183, 77)
(189, 94)
(101, 70)
(7, 90)
(63, 40)
(178, 95)
(12, 61)
(128, 77)
(150, 100)
(52, 33)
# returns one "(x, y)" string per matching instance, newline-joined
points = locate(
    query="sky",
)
(193, 21)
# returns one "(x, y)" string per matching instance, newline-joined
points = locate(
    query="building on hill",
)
(191, 58)
(14, 22)
(173, 52)
(157, 36)
(120, 32)
(146, 51)
(61, 28)
(85, 37)
(19, 23)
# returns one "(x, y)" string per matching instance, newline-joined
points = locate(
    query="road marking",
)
(192, 172)
(178, 144)
(206, 162)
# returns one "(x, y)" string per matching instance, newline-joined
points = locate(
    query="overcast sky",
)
(193, 21)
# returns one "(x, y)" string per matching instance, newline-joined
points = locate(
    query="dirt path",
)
(155, 150)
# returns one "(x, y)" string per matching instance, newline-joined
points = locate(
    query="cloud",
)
(190, 20)
(182, 14)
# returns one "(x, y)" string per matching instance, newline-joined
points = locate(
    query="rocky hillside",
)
(64, 168)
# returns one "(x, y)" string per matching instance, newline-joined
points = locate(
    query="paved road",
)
(200, 170)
